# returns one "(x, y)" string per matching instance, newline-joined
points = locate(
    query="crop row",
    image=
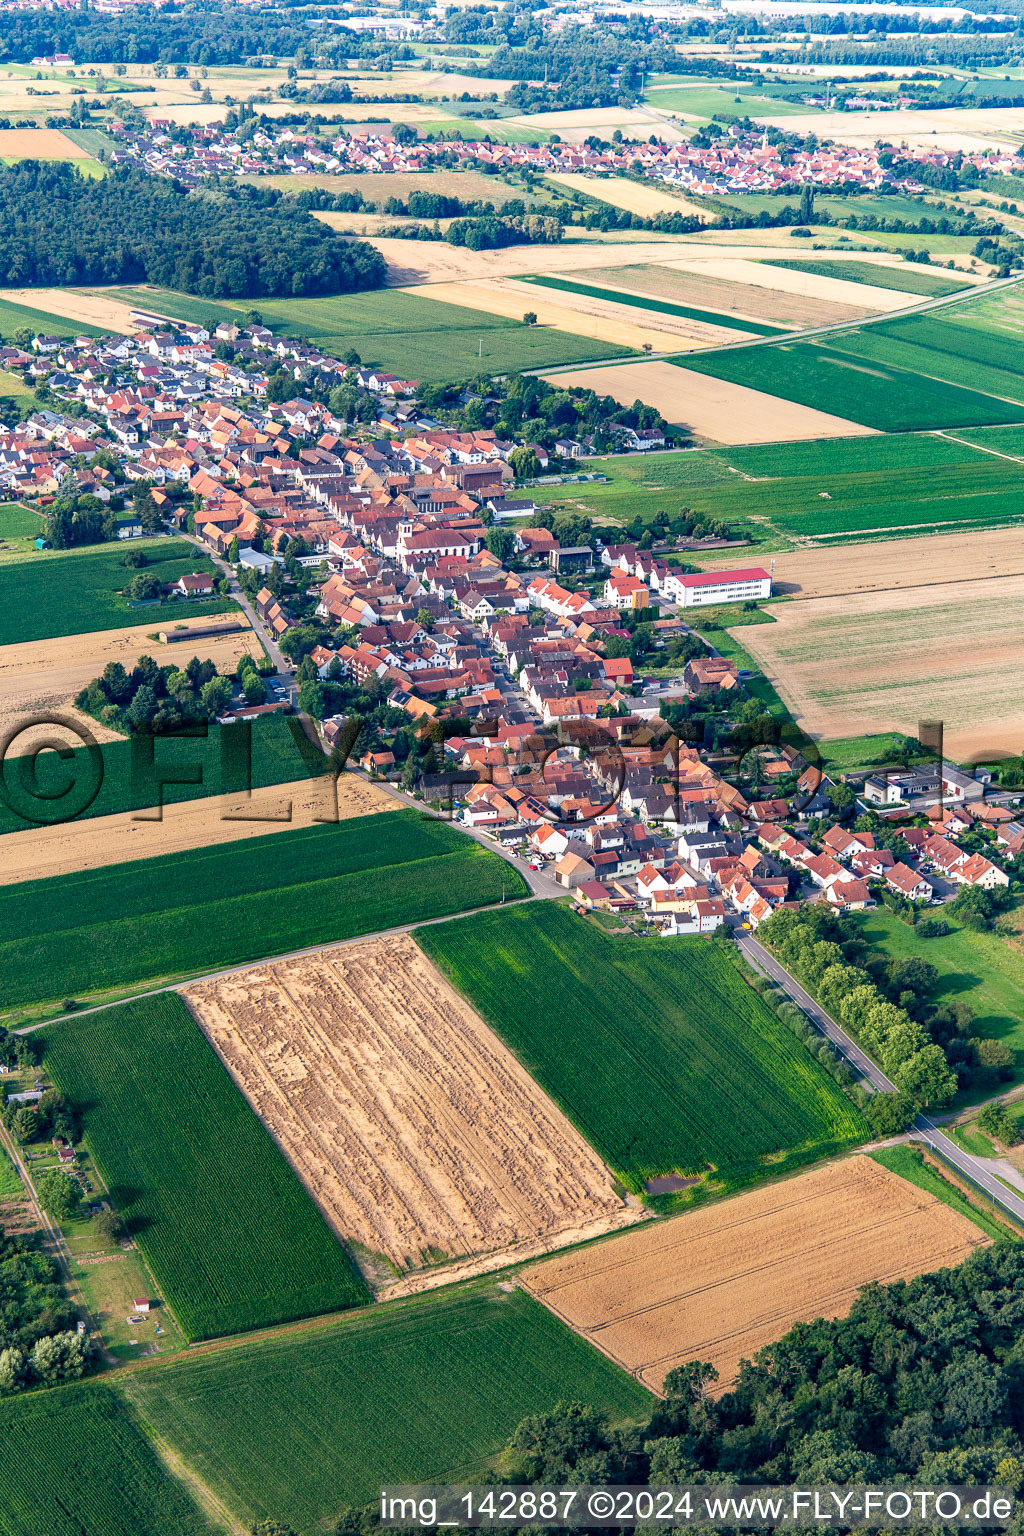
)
(234, 902)
(672, 1064)
(232, 1237)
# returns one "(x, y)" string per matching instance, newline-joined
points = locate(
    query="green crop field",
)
(232, 1237)
(906, 482)
(905, 279)
(228, 760)
(945, 350)
(413, 337)
(416, 1391)
(10, 1182)
(876, 393)
(79, 591)
(209, 908)
(76, 1463)
(981, 968)
(660, 306)
(734, 99)
(669, 1064)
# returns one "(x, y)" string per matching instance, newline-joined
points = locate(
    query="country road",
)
(971, 1168)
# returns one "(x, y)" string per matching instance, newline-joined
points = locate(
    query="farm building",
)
(718, 587)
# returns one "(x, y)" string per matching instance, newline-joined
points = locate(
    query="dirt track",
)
(42, 851)
(45, 675)
(712, 408)
(414, 1128)
(720, 1283)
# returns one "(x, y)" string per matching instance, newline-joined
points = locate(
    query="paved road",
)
(976, 1170)
(284, 677)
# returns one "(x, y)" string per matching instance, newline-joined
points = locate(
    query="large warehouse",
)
(718, 587)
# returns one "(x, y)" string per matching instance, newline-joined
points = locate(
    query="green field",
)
(11, 1186)
(910, 1165)
(661, 306)
(734, 99)
(413, 337)
(669, 1063)
(416, 1391)
(944, 349)
(19, 526)
(14, 317)
(976, 967)
(14, 388)
(79, 591)
(220, 761)
(209, 908)
(232, 1237)
(906, 279)
(906, 481)
(877, 393)
(76, 1463)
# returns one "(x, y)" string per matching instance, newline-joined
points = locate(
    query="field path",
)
(1014, 458)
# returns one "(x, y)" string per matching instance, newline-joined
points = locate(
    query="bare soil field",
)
(899, 564)
(576, 125)
(884, 660)
(720, 1283)
(807, 285)
(46, 674)
(635, 197)
(703, 290)
(581, 315)
(90, 306)
(966, 128)
(38, 144)
(414, 1128)
(40, 852)
(713, 409)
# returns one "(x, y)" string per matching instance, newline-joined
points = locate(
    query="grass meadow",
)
(76, 1461)
(659, 306)
(673, 1064)
(981, 968)
(896, 483)
(19, 526)
(186, 913)
(80, 591)
(415, 338)
(231, 1236)
(415, 1391)
(874, 392)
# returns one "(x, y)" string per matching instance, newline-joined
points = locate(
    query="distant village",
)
(738, 160)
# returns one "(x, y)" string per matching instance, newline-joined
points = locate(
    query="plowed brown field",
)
(411, 1124)
(721, 1283)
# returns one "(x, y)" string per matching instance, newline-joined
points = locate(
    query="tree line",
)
(59, 229)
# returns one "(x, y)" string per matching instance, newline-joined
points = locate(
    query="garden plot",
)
(721, 1283)
(417, 1132)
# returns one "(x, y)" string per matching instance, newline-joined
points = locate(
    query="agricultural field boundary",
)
(729, 322)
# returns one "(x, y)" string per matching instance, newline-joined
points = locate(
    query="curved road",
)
(973, 1169)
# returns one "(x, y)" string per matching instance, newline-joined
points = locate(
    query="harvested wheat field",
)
(645, 198)
(411, 1124)
(38, 144)
(42, 675)
(71, 846)
(87, 306)
(712, 409)
(806, 285)
(704, 290)
(581, 315)
(886, 660)
(899, 564)
(434, 261)
(720, 1283)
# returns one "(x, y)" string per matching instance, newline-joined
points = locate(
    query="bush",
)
(890, 1113)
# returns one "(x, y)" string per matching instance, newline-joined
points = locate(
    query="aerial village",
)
(396, 565)
(739, 159)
